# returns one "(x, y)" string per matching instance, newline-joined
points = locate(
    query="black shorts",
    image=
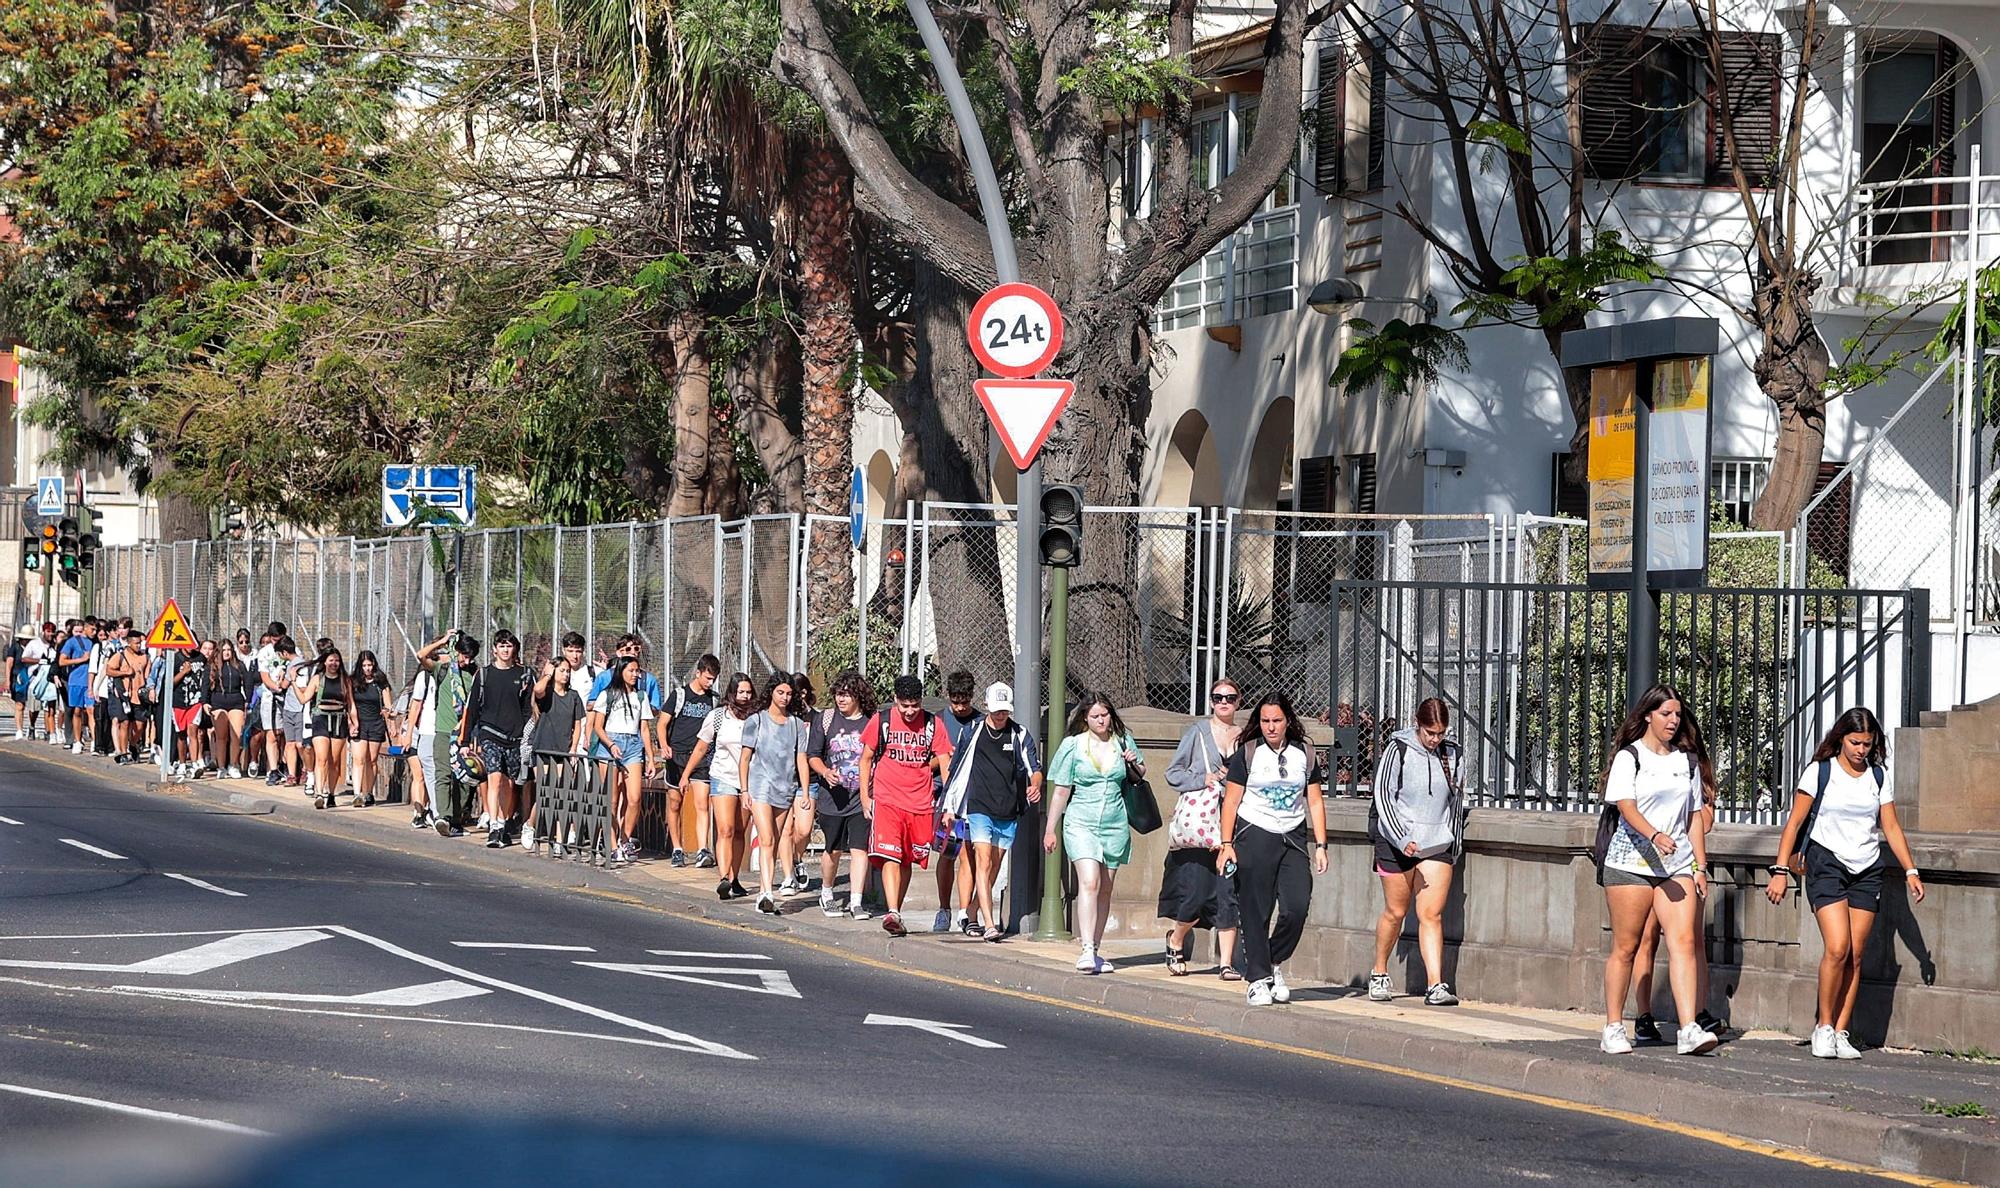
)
(844, 833)
(1391, 861)
(1193, 892)
(119, 707)
(375, 731)
(1829, 882)
(332, 726)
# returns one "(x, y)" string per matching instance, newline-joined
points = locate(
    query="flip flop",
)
(1230, 975)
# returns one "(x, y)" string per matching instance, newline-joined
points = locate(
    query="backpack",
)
(1608, 819)
(1798, 862)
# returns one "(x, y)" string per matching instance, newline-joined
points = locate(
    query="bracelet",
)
(1911, 873)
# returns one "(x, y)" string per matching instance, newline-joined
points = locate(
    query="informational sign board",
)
(170, 631)
(49, 495)
(1015, 330)
(441, 496)
(1677, 473)
(1024, 413)
(1614, 425)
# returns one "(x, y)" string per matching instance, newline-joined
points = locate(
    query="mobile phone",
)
(1229, 869)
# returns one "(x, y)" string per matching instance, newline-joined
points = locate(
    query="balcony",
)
(1911, 240)
(1249, 274)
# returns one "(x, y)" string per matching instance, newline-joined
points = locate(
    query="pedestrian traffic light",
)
(1062, 525)
(31, 553)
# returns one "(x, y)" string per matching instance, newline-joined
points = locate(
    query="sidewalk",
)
(1760, 1086)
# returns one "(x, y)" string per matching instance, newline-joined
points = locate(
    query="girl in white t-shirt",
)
(721, 742)
(1657, 857)
(1848, 777)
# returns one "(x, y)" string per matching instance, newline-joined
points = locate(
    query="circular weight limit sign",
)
(1015, 330)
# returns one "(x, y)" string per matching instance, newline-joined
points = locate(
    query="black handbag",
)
(1141, 810)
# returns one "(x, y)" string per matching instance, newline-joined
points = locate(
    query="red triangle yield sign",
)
(1023, 412)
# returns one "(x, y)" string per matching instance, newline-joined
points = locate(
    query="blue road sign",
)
(430, 495)
(49, 495)
(857, 509)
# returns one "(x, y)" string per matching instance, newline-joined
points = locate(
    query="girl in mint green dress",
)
(1088, 774)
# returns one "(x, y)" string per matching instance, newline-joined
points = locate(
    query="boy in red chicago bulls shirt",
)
(900, 749)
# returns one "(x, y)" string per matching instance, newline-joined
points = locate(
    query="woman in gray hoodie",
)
(1418, 827)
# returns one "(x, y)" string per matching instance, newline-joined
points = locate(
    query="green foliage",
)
(1962, 1109)
(1498, 133)
(835, 649)
(1126, 70)
(1985, 314)
(1565, 288)
(1399, 356)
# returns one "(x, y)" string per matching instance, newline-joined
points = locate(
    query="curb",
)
(1819, 1130)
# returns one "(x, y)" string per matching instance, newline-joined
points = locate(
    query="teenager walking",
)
(948, 841)
(229, 686)
(1416, 823)
(903, 749)
(833, 752)
(1193, 893)
(681, 720)
(1274, 789)
(995, 775)
(1655, 857)
(370, 687)
(1088, 772)
(717, 751)
(618, 721)
(1845, 807)
(774, 775)
(331, 696)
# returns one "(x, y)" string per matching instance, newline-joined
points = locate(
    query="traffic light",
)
(87, 540)
(1062, 525)
(66, 563)
(31, 554)
(50, 545)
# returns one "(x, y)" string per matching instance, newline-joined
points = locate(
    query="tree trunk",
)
(761, 386)
(181, 518)
(692, 421)
(1100, 444)
(1794, 468)
(1791, 368)
(827, 346)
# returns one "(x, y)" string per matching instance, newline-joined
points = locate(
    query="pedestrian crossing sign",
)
(170, 631)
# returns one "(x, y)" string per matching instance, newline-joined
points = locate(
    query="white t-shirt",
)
(723, 732)
(1274, 785)
(624, 714)
(1849, 821)
(1668, 797)
(423, 695)
(100, 654)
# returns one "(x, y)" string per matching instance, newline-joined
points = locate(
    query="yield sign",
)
(1023, 412)
(170, 631)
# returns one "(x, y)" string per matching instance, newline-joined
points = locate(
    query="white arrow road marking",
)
(425, 994)
(513, 945)
(194, 882)
(685, 1042)
(70, 841)
(119, 1107)
(710, 956)
(950, 1031)
(769, 981)
(8, 821)
(215, 954)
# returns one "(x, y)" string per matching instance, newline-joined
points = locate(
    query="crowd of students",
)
(898, 787)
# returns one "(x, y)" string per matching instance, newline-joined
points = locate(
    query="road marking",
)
(426, 994)
(119, 1107)
(194, 882)
(1717, 1137)
(769, 981)
(950, 1031)
(687, 1042)
(70, 841)
(30, 936)
(709, 956)
(8, 821)
(229, 950)
(514, 945)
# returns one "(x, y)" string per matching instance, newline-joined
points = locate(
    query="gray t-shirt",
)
(557, 724)
(774, 761)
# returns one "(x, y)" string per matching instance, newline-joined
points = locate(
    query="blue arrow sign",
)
(434, 495)
(857, 510)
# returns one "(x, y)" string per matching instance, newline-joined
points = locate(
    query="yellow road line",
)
(1700, 1133)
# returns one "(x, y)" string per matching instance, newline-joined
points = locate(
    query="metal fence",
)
(1534, 676)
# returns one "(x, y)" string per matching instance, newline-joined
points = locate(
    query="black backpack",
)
(1798, 863)
(1607, 821)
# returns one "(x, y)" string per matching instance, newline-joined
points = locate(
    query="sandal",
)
(1229, 974)
(1176, 959)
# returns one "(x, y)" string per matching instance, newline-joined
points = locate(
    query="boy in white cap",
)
(995, 775)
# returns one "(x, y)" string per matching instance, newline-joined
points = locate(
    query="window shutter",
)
(1378, 113)
(1316, 479)
(1330, 121)
(1748, 92)
(1944, 109)
(1605, 72)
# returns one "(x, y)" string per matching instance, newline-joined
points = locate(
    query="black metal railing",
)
(573, 806)
(1534, 676)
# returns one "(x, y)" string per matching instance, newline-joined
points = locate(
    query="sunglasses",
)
(1221, 697)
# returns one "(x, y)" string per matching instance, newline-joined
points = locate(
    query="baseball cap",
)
(999, 697)
(27, 631)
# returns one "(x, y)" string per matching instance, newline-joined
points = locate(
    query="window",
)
(1208, 156)
(1652, 107)
(1350, 135)
(1567, 499)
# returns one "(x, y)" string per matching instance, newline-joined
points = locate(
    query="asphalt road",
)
(355, 1006)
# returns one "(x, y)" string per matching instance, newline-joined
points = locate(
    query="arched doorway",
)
(881, 476)
(1267, 474)
(1191, 475)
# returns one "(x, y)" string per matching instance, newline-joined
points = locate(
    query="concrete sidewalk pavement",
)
(1760, 1086)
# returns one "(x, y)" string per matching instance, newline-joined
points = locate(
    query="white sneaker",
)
(789, 887)
(1694, 1040)
(76, 748)
(1615, 1041)
(19, 734)
(1104, 966)
(1822, 1041)
(1843, 1048)
(1379, 988)
(1086, 962)
(829, 906)
(1258, 993)
(1280, 992)
(1440, 995)
(527, 837)
(233, 773)
(943, 921)
(857, 910)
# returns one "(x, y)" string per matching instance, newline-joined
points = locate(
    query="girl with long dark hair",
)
(1846, 792)
(834, 755)
(773, 774)
(618, 720)
(1274, 786)
(722, 734)
(1656, 859)
(370, 690)
(1089, 772)
(229, 683)
(330, 696)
